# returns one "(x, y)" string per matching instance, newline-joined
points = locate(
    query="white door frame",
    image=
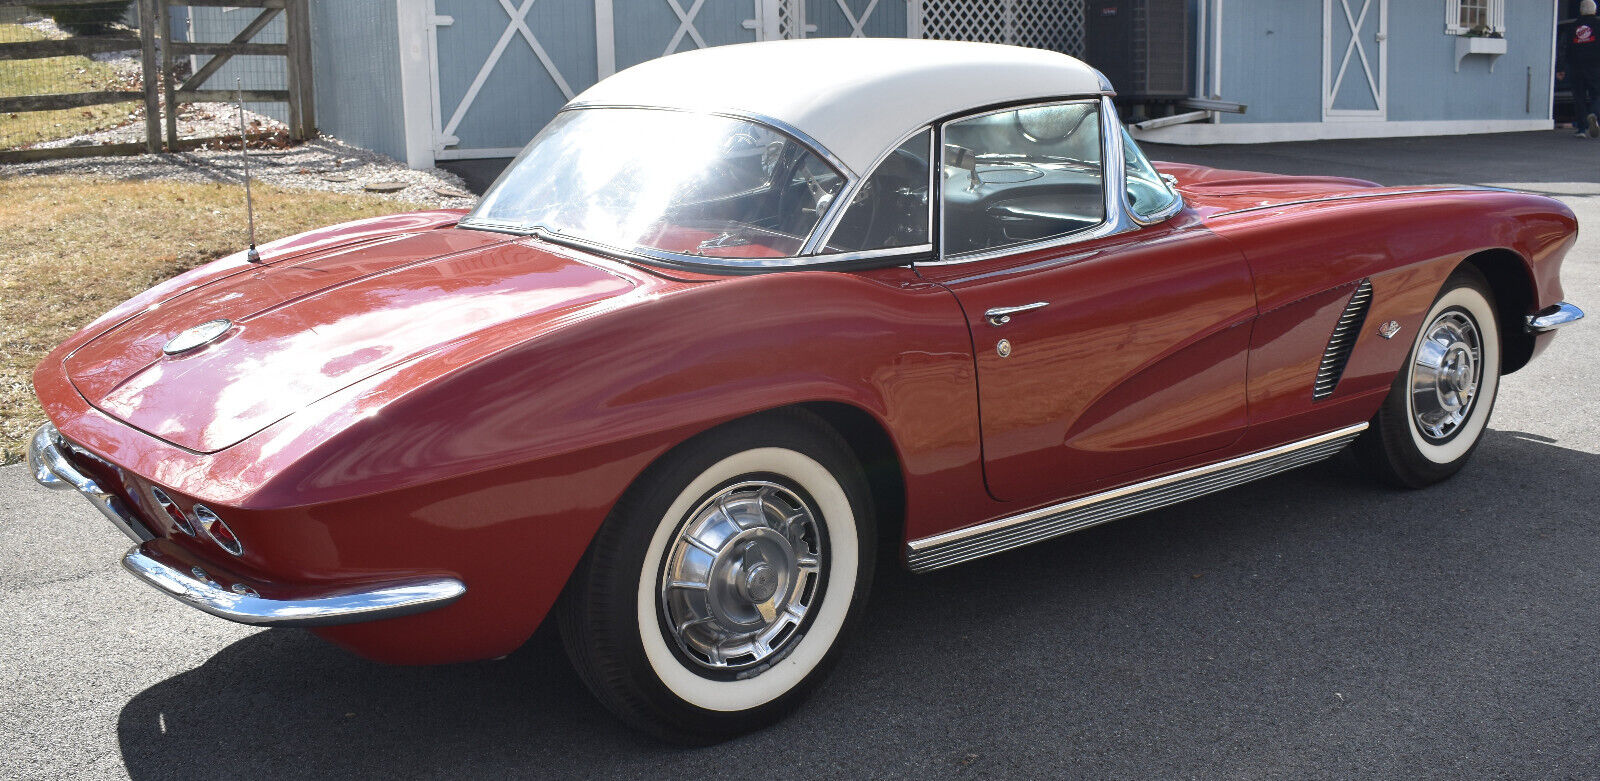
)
(1359, 59)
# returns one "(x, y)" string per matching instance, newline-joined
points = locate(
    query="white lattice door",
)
(1355, 59)
(1057, 25)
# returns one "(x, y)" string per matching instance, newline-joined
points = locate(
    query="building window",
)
(1474, 17)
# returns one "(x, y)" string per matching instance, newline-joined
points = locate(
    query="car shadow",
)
(1216, 631)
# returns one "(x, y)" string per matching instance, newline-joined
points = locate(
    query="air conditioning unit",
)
(1141, 45)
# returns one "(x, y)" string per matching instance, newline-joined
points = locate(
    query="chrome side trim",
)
(1358, 195)
(955, 547)
(1342, 341)
(389, 600)
(1553, 317)
(47, 458)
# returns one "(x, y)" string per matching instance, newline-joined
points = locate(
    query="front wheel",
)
(714, 596)
(1441, 400)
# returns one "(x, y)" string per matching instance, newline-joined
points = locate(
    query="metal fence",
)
(163, 76)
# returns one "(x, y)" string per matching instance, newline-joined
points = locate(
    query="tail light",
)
(217, 530)
(179, 520)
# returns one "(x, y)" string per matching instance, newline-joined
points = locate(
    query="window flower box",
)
(1469, 44)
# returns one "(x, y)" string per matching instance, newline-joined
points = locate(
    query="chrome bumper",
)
(47, 457)
(389, 600)
(1553, 317)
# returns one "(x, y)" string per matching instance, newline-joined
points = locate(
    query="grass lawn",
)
(50, 76)
(74, 247)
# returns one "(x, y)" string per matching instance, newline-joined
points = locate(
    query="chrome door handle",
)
(1001, 315)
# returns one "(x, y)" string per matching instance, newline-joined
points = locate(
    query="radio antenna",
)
(244, 149)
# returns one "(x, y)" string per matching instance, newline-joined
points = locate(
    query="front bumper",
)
(1553, 317)
(47, 457)
(387, 600)
(50, 458)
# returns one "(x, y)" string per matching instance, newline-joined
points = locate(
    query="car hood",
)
(312, 324)
(1217, 191)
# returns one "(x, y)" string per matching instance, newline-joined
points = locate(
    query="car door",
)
(1104, 348)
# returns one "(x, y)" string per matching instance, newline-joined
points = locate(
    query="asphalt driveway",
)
(1314, 625)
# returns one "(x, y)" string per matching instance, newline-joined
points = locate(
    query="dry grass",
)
(50, 76)
(75, 247)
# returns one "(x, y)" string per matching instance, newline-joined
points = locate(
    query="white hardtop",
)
(856, 97)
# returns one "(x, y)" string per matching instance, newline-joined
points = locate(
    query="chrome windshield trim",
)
(874, 254)
(1112, 178)
(830, 223)
(52, 468)
(1552, 317)
(1167, 212)
(700, 262)
(377, 601)
(772, 122)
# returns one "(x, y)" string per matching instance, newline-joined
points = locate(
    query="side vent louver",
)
(1342, 341)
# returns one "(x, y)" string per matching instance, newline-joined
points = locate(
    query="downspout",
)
(1201, 33)
(1216, 53)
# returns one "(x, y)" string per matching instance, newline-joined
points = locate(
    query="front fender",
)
(499, 468)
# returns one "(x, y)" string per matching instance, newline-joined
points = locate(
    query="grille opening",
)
(1343, 340)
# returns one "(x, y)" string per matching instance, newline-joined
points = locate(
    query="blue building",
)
(1310, 69)
(431, 80)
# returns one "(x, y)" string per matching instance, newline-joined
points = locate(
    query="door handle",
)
(1001, 315)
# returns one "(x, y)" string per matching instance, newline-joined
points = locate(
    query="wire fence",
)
(105, 65)
(82, 78)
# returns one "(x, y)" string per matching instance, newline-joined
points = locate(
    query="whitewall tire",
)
(1441, 400)
(714, 597)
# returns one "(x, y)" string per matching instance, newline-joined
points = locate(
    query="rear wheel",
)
(1441, 400)
(714, 596)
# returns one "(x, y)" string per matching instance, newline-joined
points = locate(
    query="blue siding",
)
(209, 24)
(643, 30)
(1420, 47)
(519, 96)
(888, 19)
(355, 68)
(1272, 59)
(355, 59)
(1272, 62)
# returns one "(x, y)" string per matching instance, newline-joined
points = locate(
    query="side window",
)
(891, 208)
(1020, 176)
(1148, 193)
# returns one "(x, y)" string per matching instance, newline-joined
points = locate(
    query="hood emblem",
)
(202, 334)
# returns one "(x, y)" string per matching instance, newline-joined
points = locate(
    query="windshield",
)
(643, 179)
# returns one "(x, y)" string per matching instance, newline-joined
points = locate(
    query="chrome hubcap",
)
(741, 576)
(1445, 375)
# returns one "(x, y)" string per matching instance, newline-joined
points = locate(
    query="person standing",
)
(1583, 61)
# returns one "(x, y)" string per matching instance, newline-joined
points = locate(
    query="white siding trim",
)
(416, 80)
(1555, 18)
(478, 154)
(1216, 52)
(1271, 132)
(605, 40)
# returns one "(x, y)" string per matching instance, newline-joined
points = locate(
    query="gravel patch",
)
(325, 163)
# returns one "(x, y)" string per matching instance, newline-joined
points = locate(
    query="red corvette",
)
(737, 316)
